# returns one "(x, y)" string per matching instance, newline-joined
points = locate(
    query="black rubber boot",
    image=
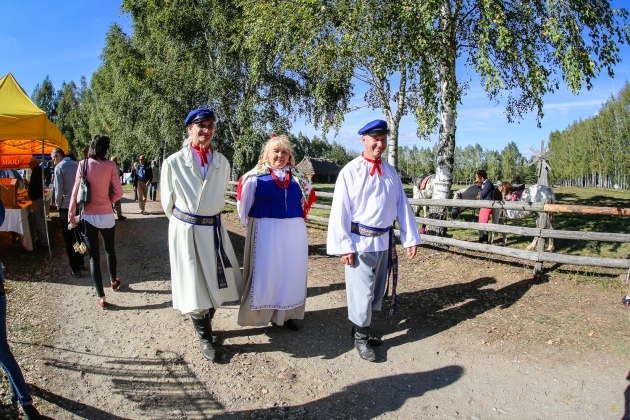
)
(203, 327)
(361, 343)
(372, 339)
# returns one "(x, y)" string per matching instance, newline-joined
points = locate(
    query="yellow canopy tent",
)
(25, 130)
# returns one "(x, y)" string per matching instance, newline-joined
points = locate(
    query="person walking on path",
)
(17, 384)
(155, 179)
(204, 269)
(144, 176)
(134, 181)
(97, 216)
(65, 174)
(272, 201)
(368, 198)
(117, 207)
(36, 194)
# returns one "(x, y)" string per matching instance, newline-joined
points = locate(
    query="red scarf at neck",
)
(376, 165)
(203, 154)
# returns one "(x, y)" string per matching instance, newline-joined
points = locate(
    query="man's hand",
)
(411, 251)
(347, 259)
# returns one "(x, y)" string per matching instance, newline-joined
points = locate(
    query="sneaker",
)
(626, 301)
(121, 217)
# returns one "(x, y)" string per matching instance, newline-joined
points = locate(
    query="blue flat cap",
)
(200, 114)
(375, 127)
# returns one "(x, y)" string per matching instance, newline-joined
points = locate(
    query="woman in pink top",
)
(97, 216)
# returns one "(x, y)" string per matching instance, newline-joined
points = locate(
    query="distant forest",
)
(595, 152)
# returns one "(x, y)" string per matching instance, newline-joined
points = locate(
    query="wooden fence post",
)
(541, 243)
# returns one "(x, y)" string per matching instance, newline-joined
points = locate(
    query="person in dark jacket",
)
(36, 194)
(65, 174)
(486, 193)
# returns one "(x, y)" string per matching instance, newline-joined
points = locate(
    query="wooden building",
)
(319, 171)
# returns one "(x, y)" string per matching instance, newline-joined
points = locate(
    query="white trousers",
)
(365, 285)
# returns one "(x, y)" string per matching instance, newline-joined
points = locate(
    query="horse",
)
(534, 193)
(423, 188)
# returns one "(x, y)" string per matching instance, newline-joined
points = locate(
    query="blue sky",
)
(63, 39)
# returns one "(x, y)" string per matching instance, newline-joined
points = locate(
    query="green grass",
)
(562, 221)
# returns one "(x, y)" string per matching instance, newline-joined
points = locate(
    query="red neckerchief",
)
(203, 154)
(376, 165)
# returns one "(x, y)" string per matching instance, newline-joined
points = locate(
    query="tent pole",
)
(44, 197)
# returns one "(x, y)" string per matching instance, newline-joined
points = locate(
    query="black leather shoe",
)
(291, 325)
(363, 347)
(76, 274)
(31, 413)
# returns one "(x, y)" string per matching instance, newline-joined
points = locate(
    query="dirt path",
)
(474, 338)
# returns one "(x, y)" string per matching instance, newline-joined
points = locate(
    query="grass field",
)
(562, 221)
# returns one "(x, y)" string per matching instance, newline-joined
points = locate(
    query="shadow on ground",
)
(166, 386)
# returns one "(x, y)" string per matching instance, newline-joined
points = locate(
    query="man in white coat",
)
(204, 269)
(368, 197)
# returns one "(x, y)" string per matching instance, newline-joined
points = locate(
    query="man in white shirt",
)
(368, 197)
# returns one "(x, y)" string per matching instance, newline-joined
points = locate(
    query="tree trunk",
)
(446, 142)
(392, 148)
(393, 121)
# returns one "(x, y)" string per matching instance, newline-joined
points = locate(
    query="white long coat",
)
(191, 247)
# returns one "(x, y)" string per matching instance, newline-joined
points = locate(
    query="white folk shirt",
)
(374, 201)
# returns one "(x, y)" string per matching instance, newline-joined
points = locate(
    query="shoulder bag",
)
(84, 195)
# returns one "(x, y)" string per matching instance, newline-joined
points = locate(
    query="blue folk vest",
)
(269, 200)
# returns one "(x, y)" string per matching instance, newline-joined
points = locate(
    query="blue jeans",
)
(7, 361)
(153, 190)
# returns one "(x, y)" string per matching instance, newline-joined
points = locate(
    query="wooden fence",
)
(539, 256)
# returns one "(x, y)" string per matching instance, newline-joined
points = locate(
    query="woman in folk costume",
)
(272, 201)
(204, 269)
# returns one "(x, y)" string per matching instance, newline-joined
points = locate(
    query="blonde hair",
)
(275, 141)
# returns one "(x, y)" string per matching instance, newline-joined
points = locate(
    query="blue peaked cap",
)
(200, 114)
(375, 127)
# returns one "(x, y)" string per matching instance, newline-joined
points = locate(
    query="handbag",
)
(84, 195)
